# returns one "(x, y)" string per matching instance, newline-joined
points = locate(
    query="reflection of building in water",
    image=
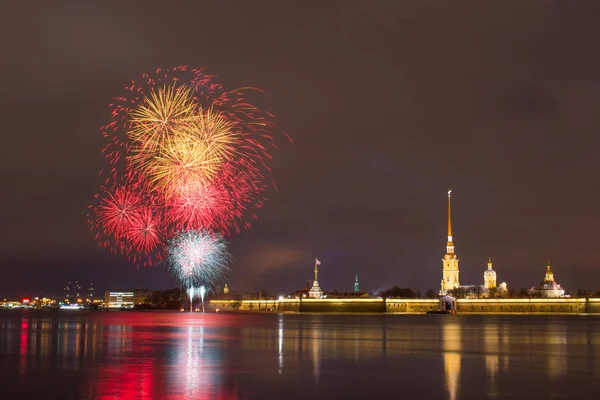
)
(452, 357)
(556, 344)
(316, 350)
(492, 341)
(492, 360)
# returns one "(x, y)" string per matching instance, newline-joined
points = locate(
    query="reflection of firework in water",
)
(183, 155)
(199, 258)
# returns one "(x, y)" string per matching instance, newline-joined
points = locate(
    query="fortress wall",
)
(304, 305)
(593, 306)
(342, 305)
(252, 305)
(411, 305)
(559, 305)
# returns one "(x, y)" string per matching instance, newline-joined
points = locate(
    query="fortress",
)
(547, 297)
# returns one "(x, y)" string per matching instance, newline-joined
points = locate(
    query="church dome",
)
(489, 272)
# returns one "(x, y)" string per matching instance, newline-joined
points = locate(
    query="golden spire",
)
(449, 245)
(489, 262)
(449, 218)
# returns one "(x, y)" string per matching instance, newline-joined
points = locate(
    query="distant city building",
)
(225, 289)
(489, 276)
(74, 293)
(73, 290)
(90, 292)
(450, 280)
(549, 287)
(315, 292)
(119, 299)
(356, 285)
(142, 297)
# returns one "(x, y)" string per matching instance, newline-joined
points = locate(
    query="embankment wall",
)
(561, 305)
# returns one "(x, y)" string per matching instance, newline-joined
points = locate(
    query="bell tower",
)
(450, 261)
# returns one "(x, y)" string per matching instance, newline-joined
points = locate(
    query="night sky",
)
(389, 104)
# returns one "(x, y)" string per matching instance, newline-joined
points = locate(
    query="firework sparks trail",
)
(199, 258)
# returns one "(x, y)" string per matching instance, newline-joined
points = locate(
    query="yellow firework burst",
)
(175, 139)
(157, 117)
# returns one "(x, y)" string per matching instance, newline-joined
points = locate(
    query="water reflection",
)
(452, 357)
(280, 320)
(316, 351)
(556, 344)
(23, 346)
(214, 356)
(492, 359)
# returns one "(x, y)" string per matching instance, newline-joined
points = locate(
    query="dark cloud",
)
(388, 105)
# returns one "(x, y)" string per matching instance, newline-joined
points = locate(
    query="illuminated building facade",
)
(549, 287)
(119, 299)
(489, 276)
(356, 285)
(450, 279)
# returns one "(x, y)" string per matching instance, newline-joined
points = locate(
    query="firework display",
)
(187, 163)
(199, 258)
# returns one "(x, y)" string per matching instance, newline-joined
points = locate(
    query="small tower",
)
(226, 289)
(450, 261)
(315, 292)
(356, 286)
(489, 276)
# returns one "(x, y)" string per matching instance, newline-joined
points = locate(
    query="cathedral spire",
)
(449, 217)
(450, 261)
(450, 244)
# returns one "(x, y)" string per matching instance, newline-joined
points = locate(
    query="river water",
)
(161, 355)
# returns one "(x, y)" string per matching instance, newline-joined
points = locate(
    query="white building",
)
(489, 276)
(118, 299)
